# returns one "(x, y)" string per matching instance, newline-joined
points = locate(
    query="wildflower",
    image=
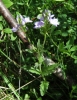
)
(15, 29)
(46, 16)
(26, 20)
(38, 24)
(53, 20)
(23, 20)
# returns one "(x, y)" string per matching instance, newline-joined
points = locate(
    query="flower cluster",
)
(38, 24)
(46, 16)
(21, 21)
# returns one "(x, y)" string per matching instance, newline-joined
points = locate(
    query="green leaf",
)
(38, 43)
(41, 59)
(48, 69)
(43, 87)
(26, 97)
(35, 71)
(13, 38)
(39, 16)
(69, 5)
(7, 30)
(1, 27)
(74, 48)
(20, 3)
(64, 34)
(61, 47)
(7, 3)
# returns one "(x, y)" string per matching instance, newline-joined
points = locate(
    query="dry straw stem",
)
(22, 35)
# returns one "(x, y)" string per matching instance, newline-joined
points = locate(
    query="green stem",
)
(44, 39)
(54, 43)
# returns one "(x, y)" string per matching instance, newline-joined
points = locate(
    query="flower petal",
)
(26, 20)
(54, 21)
(14, 29)
(39, 24)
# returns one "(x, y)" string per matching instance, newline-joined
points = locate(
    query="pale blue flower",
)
(38, 24)
(46, 16)
(15, 29)
(23, 20)
(54, 21)
(26, 20)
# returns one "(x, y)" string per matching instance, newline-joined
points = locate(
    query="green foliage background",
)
(19, 68)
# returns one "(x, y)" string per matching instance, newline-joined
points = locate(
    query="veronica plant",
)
(45, 65)
(45, 21)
